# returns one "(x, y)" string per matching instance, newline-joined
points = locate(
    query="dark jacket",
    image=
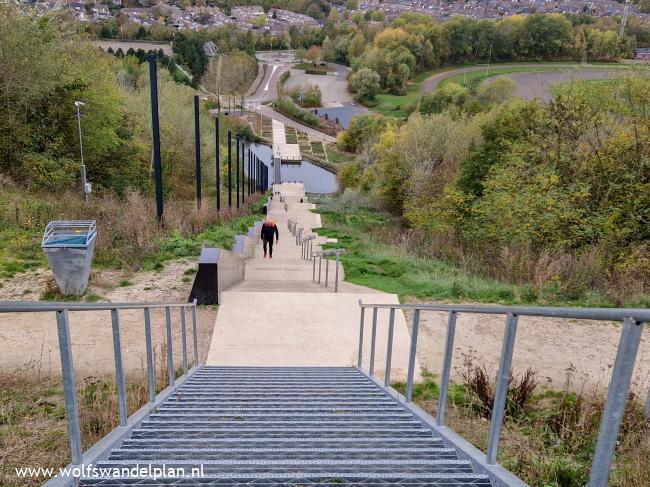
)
(268, 230)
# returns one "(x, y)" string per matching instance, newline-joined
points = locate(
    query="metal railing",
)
(67, 366)
(308, 253)
(633, 323)
(326, 253)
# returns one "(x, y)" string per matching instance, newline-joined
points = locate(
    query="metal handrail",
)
(633, 321)
(326, 253)
(67, 364)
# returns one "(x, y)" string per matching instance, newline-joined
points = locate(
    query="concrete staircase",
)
(268, 426)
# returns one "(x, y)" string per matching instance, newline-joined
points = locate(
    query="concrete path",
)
(278, 316)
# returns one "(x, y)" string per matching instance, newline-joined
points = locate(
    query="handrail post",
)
(414, 346)
(327, 270)
(446, 368)
(184, 339)
(69, 386)
(501, 393)
(151, 377)
(373, 339)
(320, 266)
(313, 272)
(119, 369)
(195, 336)
(619, 387)
(336, 276)
(362, 319)
(170, 351)
(389, 347)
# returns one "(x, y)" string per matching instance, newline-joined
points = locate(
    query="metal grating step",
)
(196, 454)
(333, 442)
(273, 426)
(226, 468)
(321, 480)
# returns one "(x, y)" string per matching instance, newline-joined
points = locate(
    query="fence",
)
(68, 374)
(633, 323)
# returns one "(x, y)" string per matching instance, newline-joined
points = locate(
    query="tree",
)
(366, 84)
(451, 94)
(363, 129)
(301, 53)
(497, 91)
(314, 54)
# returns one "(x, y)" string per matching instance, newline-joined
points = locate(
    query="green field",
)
(397, 105)
(475, 78)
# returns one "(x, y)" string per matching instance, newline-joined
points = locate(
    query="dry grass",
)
(549, 439)
(128, 230)
(33, 430)
(544, 277)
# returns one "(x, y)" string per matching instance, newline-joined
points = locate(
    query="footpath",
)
(278, 316)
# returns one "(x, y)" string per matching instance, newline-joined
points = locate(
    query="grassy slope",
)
(371, 260)
(23, 217)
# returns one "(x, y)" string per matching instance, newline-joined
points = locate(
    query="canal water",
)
(315, 178)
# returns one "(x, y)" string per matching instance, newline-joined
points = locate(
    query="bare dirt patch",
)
(555, 349)
(29, 340)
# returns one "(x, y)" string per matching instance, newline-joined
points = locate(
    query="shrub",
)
(286, 105)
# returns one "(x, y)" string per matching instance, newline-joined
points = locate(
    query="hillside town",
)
(194, 17)
(494, 9)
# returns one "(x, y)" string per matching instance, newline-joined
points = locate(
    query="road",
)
(265, 90)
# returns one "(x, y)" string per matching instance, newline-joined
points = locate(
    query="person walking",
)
(269, 230)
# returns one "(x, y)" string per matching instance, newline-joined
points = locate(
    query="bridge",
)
(297, 385)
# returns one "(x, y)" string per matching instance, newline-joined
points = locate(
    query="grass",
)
(311, 67)
(475, 78)
(548, 439)
(380, 257)
(32, 415)
(221, 235)
(398, 105)
(373, 263)
(135, 241)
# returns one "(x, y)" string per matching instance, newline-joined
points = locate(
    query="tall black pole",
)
(229, 169)
(218, 162)
(155, 136)
(248, 186)
(257, 174)
(243, 172)
(197, 150)
(237, 169)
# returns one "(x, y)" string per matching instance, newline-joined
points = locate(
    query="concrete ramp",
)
(303, 329)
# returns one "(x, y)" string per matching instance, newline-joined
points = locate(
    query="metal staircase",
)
(285, 426)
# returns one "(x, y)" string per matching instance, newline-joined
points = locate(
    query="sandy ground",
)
(29, 340)
(557, 350)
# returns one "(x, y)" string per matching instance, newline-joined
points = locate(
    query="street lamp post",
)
(85, 187)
